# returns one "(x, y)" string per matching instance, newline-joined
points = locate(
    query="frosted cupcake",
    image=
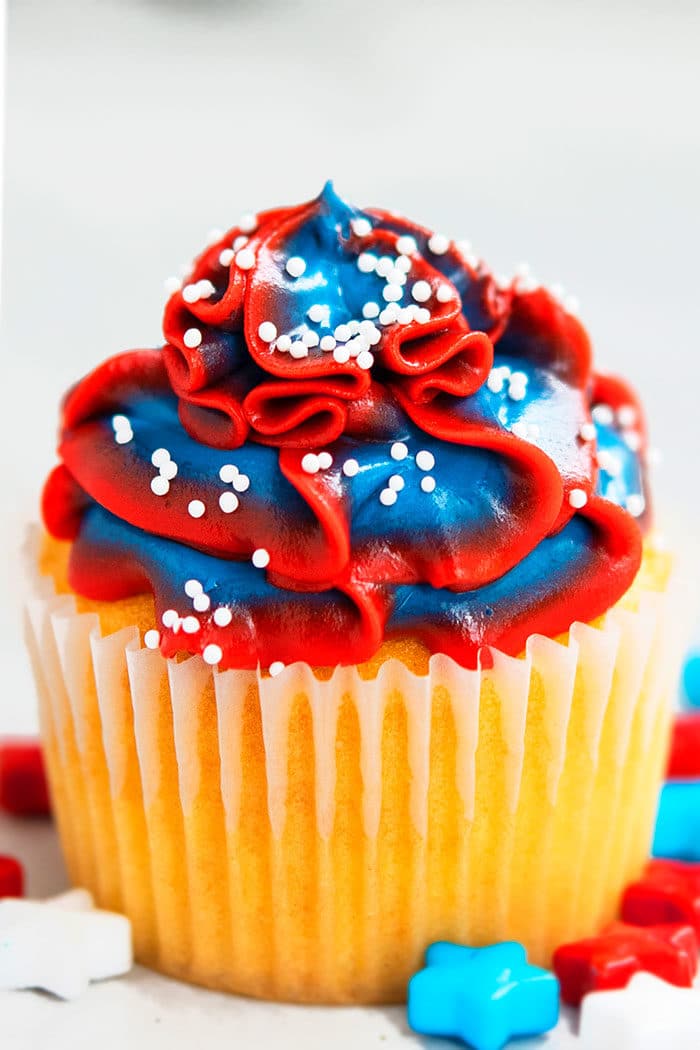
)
(341, 635)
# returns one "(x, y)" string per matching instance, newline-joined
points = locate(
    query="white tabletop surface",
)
(565, 134)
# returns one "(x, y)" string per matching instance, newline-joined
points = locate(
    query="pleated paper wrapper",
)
(305, 840)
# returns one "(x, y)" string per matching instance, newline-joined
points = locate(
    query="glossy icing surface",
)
(352, 433)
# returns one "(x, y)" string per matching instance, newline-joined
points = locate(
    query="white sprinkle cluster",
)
(167, 470)
(502, 376)
(231, 475)
(424, 460)
(312, 462)
(192, 293)
(123, 433)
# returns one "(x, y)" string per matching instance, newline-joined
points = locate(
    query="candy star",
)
(62, 944)
(677, 833)
(11, 877)
(647, 1015)
(484, 996)
(685, 747)
(611, 959)
(669, 891)
(23, 790)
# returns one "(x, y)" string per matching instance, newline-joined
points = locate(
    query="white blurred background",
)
(565, 134)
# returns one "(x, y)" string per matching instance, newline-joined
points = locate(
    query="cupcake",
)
(347, 623)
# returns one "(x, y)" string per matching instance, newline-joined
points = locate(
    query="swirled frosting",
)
(352, 433)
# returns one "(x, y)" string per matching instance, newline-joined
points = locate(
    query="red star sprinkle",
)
(669, 891)
(684, 760)
(23, 790)
(11, 877)
(611, 959)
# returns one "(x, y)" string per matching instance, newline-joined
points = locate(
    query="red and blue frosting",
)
(352, 433)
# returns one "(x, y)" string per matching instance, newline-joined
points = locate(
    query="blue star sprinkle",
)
(484, 996)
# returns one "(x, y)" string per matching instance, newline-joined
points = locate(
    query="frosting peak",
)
(352, 430)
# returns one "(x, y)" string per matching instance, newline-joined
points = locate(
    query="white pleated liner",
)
(69, 651)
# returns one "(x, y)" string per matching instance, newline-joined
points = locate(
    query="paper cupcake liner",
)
(301, 839)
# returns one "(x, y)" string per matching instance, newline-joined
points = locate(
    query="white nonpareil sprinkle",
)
(245, 259)
(121, 423)
(633, 440)
(384, 266)
(195, 508)
(241, 483)
(192, 338)
(406, 245)
(193, 588)
(495, 381)
(201, 602)
(212, 654)
(152, 639)
(248, 223)
(160, 457)
(341, 355)
(365, 359)
(422, 315)
(396, 482)
(170, 618)
(399, 450)
(228, 501)
(350, 468)
(425, 460)
(239, 242)
(361, 227)
(260, 558)
(284, 344)
(276, 667)
(342, 333)
(635, 505)
(267, 332)
(587, 432)
(626, 415)
(438, 244)
(603, 414)
(403, 264)
(366, 262)
(228, 472)
(325, 460)
(392, 293)
(444, 293)
(190, 624)
(295, 266)
(124, 436)
(222, 616)
(427, 484)
(421, 291)
(310, 463)
(387, 497)
(328, 343)
(578, 498)
(226, 257)
(168, 470)
(160, 486)
(298, 350)
(316, 313)
(370, 310)
(310, 338)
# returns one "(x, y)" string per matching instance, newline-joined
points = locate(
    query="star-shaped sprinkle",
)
(684, 760)
(647, 1015)
(677, 833)
(11, 877)
(484, 996)
(23, 790)
(669, 891)
(611, 959)
(62, 944)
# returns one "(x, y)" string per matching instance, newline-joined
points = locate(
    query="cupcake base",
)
(305, 838)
